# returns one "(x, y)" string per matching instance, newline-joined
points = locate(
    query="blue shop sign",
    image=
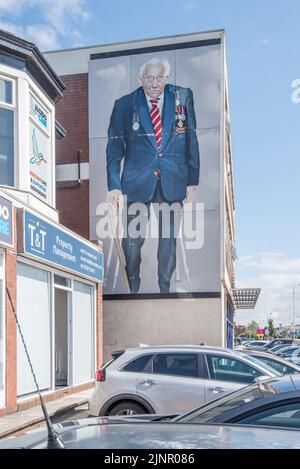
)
(6, 222)
(51, 244)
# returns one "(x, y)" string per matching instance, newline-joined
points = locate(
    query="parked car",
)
(170, 379)
(277, 348)
(102, 434)
(244, 419)
(279, 364)
(287, 341)
(292, 355)
(272, 403)
(256, 345)
(289, 348)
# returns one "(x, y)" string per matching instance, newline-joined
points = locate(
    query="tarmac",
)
(18, 421)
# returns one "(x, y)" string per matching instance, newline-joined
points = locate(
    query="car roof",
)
(93, 433)
(195, 348)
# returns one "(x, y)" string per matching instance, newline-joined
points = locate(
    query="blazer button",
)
(156, 173)
(160, 155)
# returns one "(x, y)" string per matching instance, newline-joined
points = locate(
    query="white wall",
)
(166, 321)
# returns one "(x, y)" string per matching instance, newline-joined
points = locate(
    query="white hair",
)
(156, 60)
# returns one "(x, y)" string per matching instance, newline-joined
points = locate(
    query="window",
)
(177, 364)
(230, 369)
(6, 93)
(6, 132)
(2, 330)
(139, 365)
(284, 415)
(278, 366)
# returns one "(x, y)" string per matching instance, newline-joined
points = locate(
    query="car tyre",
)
(127, 408)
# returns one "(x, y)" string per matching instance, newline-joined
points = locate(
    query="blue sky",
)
(263, 61)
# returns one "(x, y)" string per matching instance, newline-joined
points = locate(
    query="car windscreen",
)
(210, 411)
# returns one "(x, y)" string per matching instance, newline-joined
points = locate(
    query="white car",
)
(166, 379)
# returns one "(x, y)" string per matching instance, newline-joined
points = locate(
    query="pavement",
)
(17, 421)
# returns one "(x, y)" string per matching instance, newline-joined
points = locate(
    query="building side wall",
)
(156, 322)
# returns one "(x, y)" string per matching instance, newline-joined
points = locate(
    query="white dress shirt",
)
(159, 104)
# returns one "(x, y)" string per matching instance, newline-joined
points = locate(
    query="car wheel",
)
(127, 408)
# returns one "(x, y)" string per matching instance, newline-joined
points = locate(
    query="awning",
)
(245, 298)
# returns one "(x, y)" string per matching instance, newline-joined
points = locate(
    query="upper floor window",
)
(6, 131)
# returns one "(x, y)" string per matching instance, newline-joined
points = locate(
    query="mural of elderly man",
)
(154, 130)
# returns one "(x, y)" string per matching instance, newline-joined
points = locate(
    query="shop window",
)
(6, 132)
(2, 331)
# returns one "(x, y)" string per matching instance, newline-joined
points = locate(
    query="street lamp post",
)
(294, 311)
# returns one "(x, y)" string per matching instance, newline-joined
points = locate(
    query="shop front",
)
(57, 277)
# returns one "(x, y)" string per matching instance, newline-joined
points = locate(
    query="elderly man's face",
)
(154, 80)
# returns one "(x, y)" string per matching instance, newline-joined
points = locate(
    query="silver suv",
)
(167, 379)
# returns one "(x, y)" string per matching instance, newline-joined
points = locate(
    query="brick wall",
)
(72, 114)
(72, 200)
(73, 205)
(11, 327)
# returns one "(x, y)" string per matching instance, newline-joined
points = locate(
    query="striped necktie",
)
(156, 121)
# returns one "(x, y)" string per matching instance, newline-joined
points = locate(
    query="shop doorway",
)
(61, 311)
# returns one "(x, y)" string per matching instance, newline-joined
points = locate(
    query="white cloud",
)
(43, 35)
(265, 42)
(275, 275)
(188, 6)
(271, 261)
(55, 19)
(13, 28)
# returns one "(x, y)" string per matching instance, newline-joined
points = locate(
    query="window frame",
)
(232, 358)
(199, 368)
(147, 369)
(13, 108)
(13, 82)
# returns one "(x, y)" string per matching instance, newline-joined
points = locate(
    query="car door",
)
(227, 374)
(175, 384)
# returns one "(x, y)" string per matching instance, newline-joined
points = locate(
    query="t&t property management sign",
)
(59, 248)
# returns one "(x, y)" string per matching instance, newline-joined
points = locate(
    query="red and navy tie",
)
(156, 121)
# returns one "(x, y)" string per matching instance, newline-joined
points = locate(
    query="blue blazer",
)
(131, 137)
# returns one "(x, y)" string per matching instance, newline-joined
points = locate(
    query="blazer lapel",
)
(144, 116)
(168, 114)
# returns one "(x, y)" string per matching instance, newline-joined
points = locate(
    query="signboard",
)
(155, 117)
(40, 150)
(38, 113)
(6, 222)
(39, 162)
(50, 244)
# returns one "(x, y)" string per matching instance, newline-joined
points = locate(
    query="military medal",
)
(135, 122)
(180, 116)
